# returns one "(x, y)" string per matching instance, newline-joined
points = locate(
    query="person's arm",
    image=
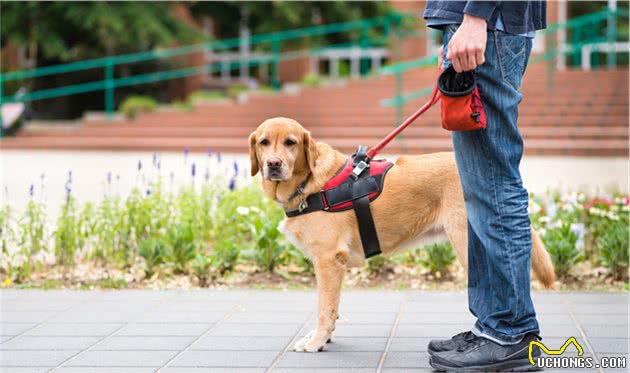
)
(467, 47)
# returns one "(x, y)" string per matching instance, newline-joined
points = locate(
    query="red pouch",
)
(462, 109)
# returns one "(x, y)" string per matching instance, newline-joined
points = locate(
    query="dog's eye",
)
(289, 142)
(264, 142)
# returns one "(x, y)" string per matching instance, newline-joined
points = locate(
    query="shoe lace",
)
(471, 343)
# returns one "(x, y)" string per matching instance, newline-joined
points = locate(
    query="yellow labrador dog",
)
(422, 196)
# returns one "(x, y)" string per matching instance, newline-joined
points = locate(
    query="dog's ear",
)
(310, 149)
(253, 159)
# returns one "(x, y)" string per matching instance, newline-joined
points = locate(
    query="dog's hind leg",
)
(329, 271)
(456, 228)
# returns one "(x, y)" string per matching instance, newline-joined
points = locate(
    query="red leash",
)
(435, 97)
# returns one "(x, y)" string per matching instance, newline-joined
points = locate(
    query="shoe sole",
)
(520, 365)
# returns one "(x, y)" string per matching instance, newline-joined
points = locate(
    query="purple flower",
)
(207, 174)
(193, 169)
(209, 152)
(139, 165)
(219, 157)
(232, 185)
(148, 192)
(235, 168)
(109, 178)
(159, 164)
(31, 190)
(155, 159)
(70, 176)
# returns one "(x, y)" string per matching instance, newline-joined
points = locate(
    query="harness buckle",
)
(359, 168)
(302, 205)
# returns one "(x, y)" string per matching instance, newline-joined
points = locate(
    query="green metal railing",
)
(586, 29)
(384, 28)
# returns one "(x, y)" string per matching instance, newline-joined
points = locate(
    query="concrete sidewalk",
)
(252, 331)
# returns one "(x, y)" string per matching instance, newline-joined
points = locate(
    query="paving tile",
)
(181, 316)
(356, 330)
(104, 370)
(33, 358)
(210, 342)
(4, 338)
(14, 328)
(25, 369)
(24, 316)
(144, 343)
(261, 330)
(609, 345)
(24, 342)
(164, 329)
(213, 370)
(21, 305)
(433, 307)
(226, 359)
(324, 370)
(83, 316)
(410, 344)
(357, 344)
(66, 329)
(367, 318)
(399, 359)
(436, 318)
(328, 359)
(621, 319)
(267, 317)
(605, 331)
(122, 358)
(599, 309)
(426, 330)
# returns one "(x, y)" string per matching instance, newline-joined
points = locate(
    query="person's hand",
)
(467, 47)
(441, 57)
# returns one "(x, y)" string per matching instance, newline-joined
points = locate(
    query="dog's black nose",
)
(274, 163)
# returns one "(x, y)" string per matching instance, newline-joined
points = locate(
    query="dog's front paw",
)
(312, 342)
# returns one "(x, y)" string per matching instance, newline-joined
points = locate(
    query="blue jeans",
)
(499, 237)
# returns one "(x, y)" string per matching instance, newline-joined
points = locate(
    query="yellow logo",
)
(559, 351)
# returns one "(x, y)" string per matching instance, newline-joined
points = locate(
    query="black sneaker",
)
(483, 355)
(458, 340)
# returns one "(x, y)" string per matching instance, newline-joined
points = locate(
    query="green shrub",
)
(183, 106)
(154, 252)
(437, 258)
(206, 96)
(377, 264)
(561, 244)
(236, 89)
(613, 250)
(224, 256)
(66, 235)
(312, 80)
(267, 251)
(201, 268)
(182, 247)
(135, 104)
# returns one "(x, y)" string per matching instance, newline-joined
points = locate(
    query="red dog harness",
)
(349, 191)
(353, 188)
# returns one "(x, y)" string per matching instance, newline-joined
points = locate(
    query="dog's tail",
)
(541, 262)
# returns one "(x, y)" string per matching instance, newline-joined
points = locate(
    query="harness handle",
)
(435, 97)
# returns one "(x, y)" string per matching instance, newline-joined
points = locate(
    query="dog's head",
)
(281, 148)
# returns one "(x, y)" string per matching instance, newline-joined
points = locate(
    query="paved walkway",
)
(252, 331)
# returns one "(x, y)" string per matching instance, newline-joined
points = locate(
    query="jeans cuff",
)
(499, 338)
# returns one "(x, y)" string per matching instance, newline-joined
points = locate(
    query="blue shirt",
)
(439, 22)
(513, 17)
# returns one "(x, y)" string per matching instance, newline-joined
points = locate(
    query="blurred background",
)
(101, 100)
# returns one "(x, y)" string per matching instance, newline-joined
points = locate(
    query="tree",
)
(66, 31)
(272, 16)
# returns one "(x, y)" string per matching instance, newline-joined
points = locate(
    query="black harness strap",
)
(367, 230)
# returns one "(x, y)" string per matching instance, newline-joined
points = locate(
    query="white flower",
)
(242, 210)
(545, 219)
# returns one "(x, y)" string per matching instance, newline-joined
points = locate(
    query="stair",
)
(583, 114)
